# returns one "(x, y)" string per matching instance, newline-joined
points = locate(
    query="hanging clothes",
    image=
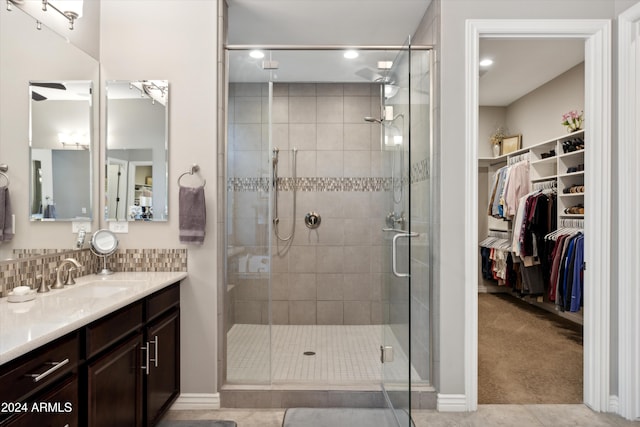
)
(510, 183)
(566, 286)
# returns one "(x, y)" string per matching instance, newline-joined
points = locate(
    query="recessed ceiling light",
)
(486, 62)
(350, 54)
(257, 54)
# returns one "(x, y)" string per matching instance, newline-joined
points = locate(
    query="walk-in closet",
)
(531, 237)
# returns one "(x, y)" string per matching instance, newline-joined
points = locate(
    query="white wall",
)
(537, 115)
(489, 120)
(176, 40)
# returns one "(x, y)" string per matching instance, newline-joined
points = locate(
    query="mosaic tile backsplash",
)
(29, 264)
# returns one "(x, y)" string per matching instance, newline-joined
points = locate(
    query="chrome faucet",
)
(68, 278)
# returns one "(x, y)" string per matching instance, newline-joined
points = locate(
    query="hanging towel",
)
(192, 216)
(50, 212)
(6, 215)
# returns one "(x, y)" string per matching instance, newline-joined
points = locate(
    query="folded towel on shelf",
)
(192, 215)
(6, 215)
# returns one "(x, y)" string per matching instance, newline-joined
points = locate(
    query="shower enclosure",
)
(328, 220)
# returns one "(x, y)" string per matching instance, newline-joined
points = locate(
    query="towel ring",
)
(192, 171)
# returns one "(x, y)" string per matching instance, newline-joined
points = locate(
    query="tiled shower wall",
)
(331, 275)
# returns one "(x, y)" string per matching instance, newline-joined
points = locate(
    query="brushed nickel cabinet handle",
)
(55, 367)
(155, 350)
(146, 358)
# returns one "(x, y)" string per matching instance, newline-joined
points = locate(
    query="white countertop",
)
(26, 326)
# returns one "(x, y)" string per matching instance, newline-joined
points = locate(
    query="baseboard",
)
(614, 404)
(452, 403)
(191, 401)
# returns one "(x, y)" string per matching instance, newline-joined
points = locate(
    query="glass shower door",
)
(397, 236)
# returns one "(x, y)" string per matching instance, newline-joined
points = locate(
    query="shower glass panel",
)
(396, 236)
(248, 267)
(310, 309)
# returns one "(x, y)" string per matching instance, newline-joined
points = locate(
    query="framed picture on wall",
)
(511, 144)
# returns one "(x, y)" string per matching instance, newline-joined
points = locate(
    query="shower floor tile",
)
(342, 354)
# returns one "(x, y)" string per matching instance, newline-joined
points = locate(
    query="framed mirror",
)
(60, 150)
(136, 150)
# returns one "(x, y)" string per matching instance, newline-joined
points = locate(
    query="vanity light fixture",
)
(157, 90)
(76, 140)
(70, 9)
(256, 54)
(350, 54)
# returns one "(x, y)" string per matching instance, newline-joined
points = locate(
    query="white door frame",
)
(597, 36)
(628, 220)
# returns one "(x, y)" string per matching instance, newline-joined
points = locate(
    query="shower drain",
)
(309, 353)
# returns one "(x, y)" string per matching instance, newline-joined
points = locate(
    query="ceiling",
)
(324, 22)
(519, 65)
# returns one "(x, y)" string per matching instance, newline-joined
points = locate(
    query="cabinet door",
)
(163, 380)
(115, 386)
(56, 407)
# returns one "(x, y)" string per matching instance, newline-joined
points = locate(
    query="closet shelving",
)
(548, 162)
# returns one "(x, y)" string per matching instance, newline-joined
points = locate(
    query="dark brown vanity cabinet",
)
(163, 379)
(120, 370)
(114, 381)
(135, 376)
(41, 388)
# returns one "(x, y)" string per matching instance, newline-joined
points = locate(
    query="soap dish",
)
(21, 298)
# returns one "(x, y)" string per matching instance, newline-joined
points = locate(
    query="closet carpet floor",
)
(526, 355)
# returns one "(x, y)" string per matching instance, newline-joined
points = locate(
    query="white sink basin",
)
(95, 290)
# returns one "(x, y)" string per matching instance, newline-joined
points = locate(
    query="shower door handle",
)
(394, 250)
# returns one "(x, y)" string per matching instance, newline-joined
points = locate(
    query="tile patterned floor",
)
(344, 354)
(485, 416)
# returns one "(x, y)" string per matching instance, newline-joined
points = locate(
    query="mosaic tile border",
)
(419, 173)
(30, 263)
(311, 184)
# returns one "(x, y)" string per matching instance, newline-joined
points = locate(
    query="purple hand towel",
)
(6, 215)
(192, 216)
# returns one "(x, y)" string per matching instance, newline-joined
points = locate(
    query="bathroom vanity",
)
(103, 352)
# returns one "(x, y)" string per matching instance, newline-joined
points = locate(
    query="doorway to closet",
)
(531, 206)
(595, 35)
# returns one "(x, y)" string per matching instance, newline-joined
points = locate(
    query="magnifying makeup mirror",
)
(103, 244)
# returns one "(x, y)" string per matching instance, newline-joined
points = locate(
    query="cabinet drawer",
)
(55, 407)
(104, 332)
(39, 368)
(163, 300)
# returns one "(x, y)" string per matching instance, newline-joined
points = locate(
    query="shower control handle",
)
(312, 220)
(394, 251)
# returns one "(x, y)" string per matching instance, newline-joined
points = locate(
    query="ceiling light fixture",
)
(350, 54)
(257, 54)
(486, 62)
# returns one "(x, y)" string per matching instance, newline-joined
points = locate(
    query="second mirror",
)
(137, 150)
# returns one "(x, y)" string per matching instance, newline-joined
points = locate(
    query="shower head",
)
(372, 120)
